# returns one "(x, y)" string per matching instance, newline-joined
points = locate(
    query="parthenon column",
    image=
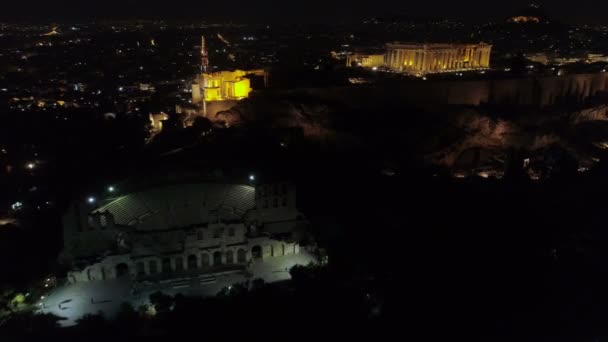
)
(439, 60)
(450, 60)
(423, 60)
(439, 57)
(487, 59)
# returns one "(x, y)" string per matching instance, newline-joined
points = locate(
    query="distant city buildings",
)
(546, 59)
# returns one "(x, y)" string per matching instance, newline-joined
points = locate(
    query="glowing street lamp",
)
(252, 177)
(111, 188)
(91, 200)
(30, 166)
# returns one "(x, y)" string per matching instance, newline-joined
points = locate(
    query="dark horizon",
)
(315, 11)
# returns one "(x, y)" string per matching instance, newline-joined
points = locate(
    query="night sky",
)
(581, 11)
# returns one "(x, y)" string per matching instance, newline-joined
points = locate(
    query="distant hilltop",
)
(532, 14)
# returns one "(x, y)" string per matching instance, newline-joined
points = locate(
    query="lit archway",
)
(192, 262)
(179, 263)
(153, 266)
(166, 265)
(256, 252)
(229, 257)
(141, 269)
(205, 259)
(241, 256)
(217, 258)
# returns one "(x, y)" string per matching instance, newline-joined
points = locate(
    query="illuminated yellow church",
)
(223, 85)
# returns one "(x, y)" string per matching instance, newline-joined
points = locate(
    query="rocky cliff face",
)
(312, 117)
(580, 134)
(465, 138)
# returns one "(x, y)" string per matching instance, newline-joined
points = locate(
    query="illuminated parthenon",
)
(431, 58)
(420, 59)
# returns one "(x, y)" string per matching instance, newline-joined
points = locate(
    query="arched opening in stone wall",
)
(153, 266)
(229, 257)
(192, 261)
(122, 270)
(217, 258)
(205, 259)
(89, 275)
(256, 252)
(241, 256)
(179, 263)
(141, 269)
(166, 265)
